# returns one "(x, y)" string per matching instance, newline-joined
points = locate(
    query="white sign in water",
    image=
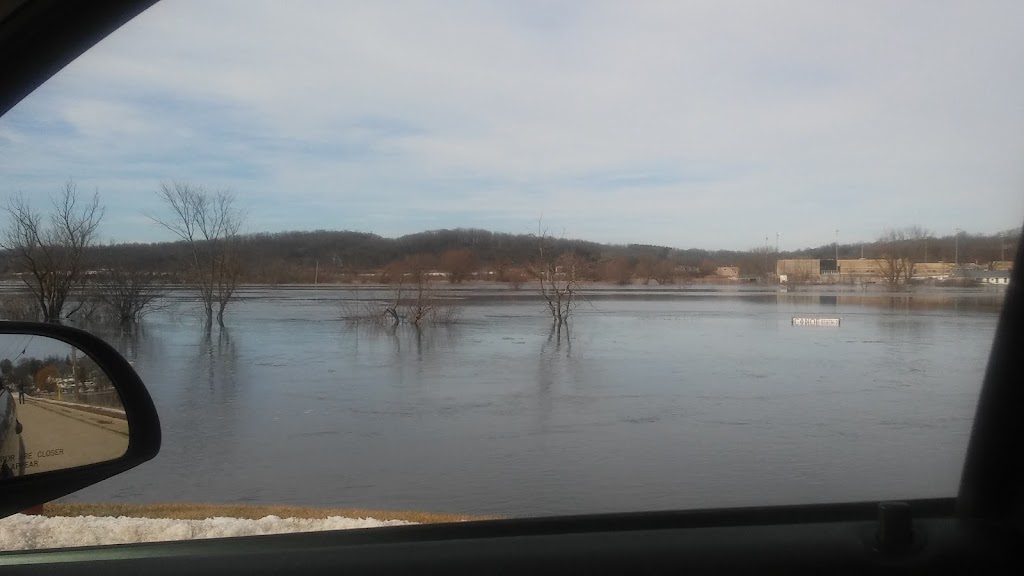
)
(815, 321)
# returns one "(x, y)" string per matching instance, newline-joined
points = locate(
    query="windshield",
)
(432, 261)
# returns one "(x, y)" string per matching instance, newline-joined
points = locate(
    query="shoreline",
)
(604, 290)
(707, 284)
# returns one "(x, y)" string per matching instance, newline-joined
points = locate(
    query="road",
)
(55, 440)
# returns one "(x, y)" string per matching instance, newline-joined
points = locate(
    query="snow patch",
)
(25, 532)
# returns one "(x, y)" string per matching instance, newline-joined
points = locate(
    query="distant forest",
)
(65, 272)
(344, 256)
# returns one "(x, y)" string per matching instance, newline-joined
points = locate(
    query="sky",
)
(689, 124)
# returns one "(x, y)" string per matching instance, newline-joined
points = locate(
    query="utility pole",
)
(776, 271)
(956, 248)
(316, 273)
(1002, 248)
(765, 254)
(837, 248)
(74, 372)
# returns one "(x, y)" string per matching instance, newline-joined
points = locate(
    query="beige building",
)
(860, 267)
(867, 269)
(809, 268)
(728, 271)
(933, 269)
(872, 268)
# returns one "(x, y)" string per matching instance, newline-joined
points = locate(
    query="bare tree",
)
(559, 279)
(914, 249)
(459, 264)
(664, 272)
(650, 268)
(51, 253)
(901, 250)
(798, 277)
(619, 270)
(501, 267)
(892, 263)
(208, 223)
(416, 300)
(417, 305)
(19, 306)
(129, 293)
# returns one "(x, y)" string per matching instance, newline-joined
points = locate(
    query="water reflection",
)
(555, 366)
(132, 341)
(990, 302)
(217, 361)
(203, 414)
(404, 340)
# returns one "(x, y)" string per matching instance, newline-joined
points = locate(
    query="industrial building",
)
(802, 268)
(870, 270)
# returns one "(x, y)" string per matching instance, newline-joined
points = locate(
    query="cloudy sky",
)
(692, 124)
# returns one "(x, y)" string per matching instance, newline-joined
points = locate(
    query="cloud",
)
(689, 124)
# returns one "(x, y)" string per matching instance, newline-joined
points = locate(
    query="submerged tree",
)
(661, 271)
(51, 253)
(128, 293)
(415, 299)
(208, 223)
(891, 266)
(900, 251)
(558, 275)
(914, 243)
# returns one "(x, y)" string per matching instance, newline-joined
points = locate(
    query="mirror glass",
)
(58, 410)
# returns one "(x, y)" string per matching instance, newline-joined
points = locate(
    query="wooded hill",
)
(337, 256)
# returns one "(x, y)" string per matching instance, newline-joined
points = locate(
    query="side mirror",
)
(73, 412)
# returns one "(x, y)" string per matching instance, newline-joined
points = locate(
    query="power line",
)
(25, 349)
(7, 349)
(24, 342)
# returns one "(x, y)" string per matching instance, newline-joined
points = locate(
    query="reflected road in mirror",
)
(59, 410)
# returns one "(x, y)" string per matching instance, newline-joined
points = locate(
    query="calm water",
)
(658, 401)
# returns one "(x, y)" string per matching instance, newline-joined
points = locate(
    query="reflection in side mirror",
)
(58, 408)
(73, 412)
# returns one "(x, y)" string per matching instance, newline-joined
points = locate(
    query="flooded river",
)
(657, 400)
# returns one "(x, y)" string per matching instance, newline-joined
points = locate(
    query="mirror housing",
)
(18, 493)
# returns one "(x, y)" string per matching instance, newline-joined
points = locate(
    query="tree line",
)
(461, 254)
(67, 272)
(43, 373)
